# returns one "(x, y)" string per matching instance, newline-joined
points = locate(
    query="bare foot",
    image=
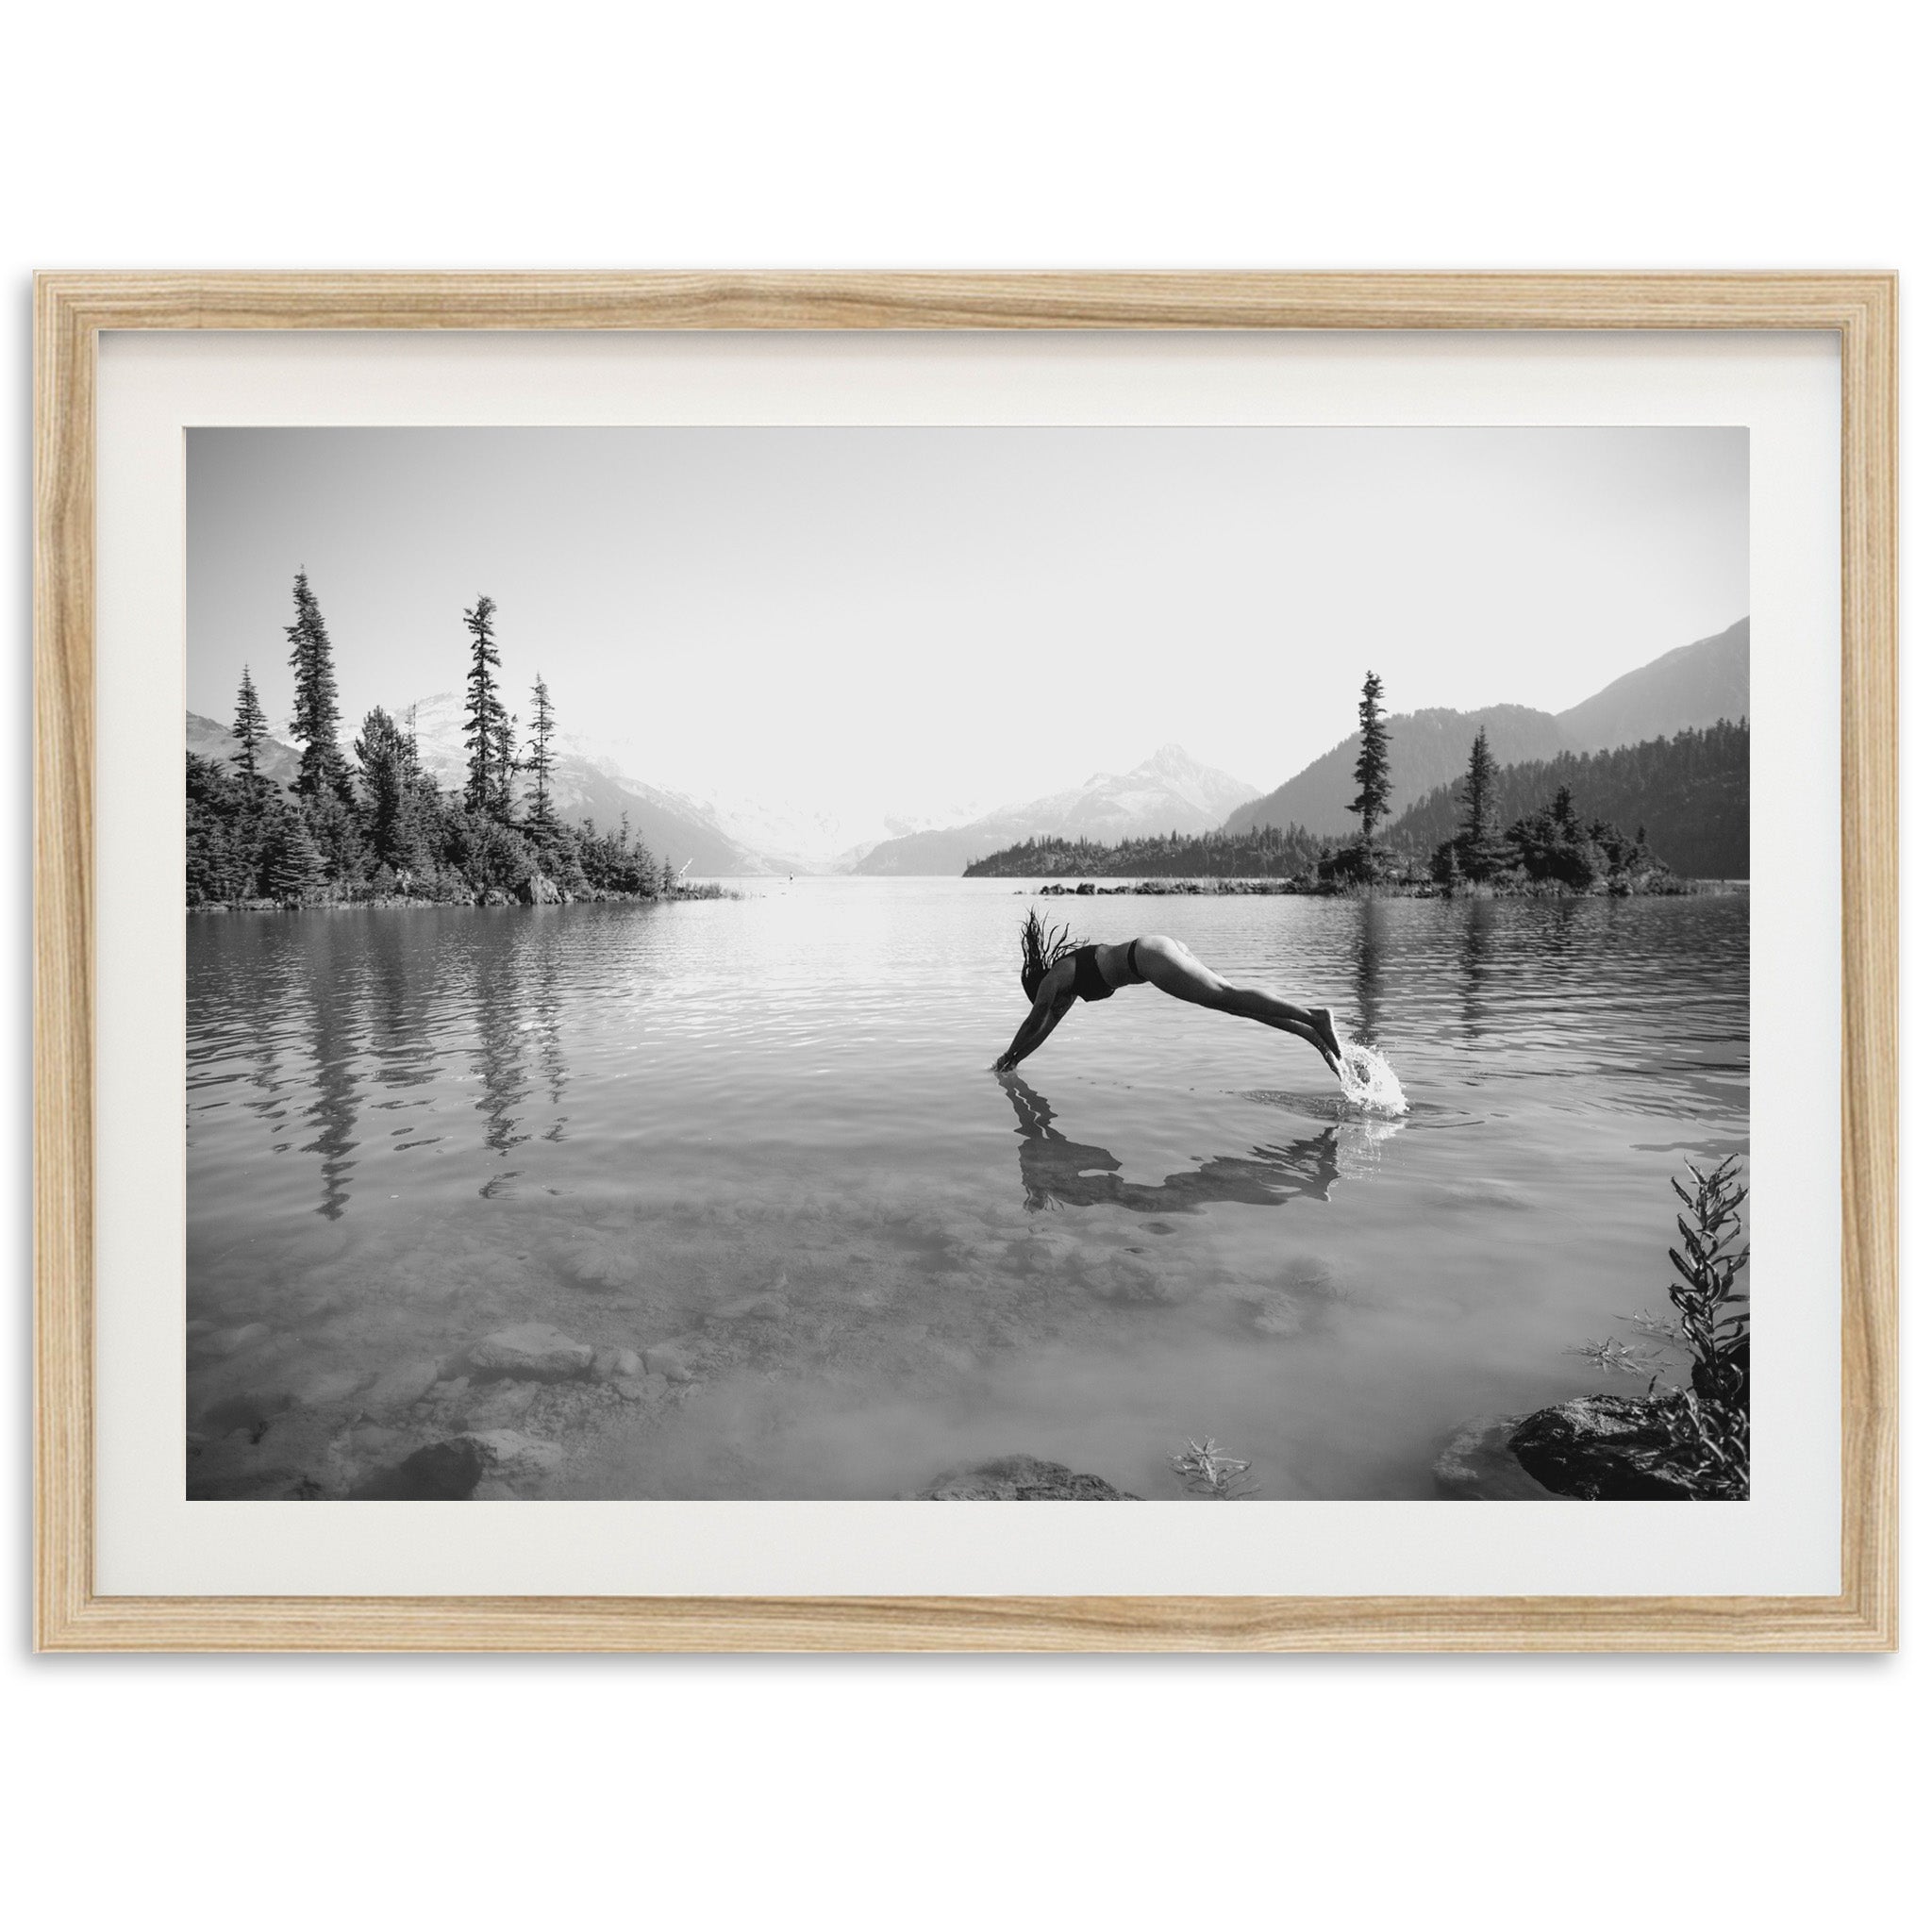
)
(1327, 1041)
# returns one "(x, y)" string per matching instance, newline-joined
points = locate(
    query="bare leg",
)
(1168, 964)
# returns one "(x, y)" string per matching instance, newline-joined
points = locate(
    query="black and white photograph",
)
(1141, 964)
(1145, 761)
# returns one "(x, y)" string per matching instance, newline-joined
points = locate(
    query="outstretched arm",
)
(1049, 1009)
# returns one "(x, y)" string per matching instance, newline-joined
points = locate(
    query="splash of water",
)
(1369, 1082)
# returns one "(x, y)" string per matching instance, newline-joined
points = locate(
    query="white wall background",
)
(1344, 1792)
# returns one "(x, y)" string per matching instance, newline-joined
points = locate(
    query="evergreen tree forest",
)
(373, 825)
(1267, 852)
(1687, 798)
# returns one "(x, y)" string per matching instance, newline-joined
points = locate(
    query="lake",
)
(755, 1141)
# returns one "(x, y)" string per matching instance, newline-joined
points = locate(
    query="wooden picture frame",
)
(73, 311)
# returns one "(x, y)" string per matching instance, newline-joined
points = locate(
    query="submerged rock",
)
(599, 1259)
(615, 1364)
(511, 1457)
(332, 1385)
(404, 1385)
(669, 1361)
(452, 1469)
(533, 1351)
(1476, 1465)
(501, 1402)
(1021, 1479)
(444, 1472)
(1602, 1448)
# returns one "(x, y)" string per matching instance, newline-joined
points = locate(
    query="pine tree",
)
(248, 832)
(484, 719)
(218, 868)
(295, 869)
(1372, 766)
(337, 830)
(1479, 852)
(1479, 792)
(539, 763)
(385, 756)
(251, 729)
(504, 767)
(317, 720)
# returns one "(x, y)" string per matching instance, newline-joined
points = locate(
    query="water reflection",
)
(319, 1028)
(1370, 944)
(547, 1009)
(332, 1047)
(1056, 1171)
(497, 986)
(1475, 944)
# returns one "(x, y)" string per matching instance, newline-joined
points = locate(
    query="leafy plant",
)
(1655, 1325)
(1706, 1428)
(1713, 1311)
(1610, 1354)
(1206, 1469)
(1710, 1443)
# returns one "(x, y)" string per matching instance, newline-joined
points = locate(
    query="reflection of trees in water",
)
(518, 1008)
(268, 994)
(1370, 945)
(401, 1001)
(547, 1006)
(1056, 1171)
(331, 986)
(332, 1051)
(496, 996)
(1475, 948)
(1563, 932)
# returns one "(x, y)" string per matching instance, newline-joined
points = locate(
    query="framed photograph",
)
(800, 896)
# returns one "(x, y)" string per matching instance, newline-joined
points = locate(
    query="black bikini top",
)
(1088, 983)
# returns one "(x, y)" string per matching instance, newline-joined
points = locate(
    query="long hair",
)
(1041, 947)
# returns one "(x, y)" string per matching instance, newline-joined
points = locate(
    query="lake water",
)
(762, 1130)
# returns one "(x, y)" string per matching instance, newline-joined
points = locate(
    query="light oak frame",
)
(71, 311)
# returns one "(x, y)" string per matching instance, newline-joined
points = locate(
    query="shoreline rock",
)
(1589, 1449)
(1603, 1448)
(1476, 1465)
(1021, 1479)
(452, 1469)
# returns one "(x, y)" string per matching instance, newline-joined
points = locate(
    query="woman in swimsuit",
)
(1056, 973)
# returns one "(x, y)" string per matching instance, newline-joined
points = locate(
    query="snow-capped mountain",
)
(1171, 791)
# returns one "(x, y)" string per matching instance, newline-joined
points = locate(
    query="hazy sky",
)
(913, 616)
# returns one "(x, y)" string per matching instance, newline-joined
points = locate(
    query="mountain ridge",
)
(673, 826)
(1169, 791)
(1687, 687)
